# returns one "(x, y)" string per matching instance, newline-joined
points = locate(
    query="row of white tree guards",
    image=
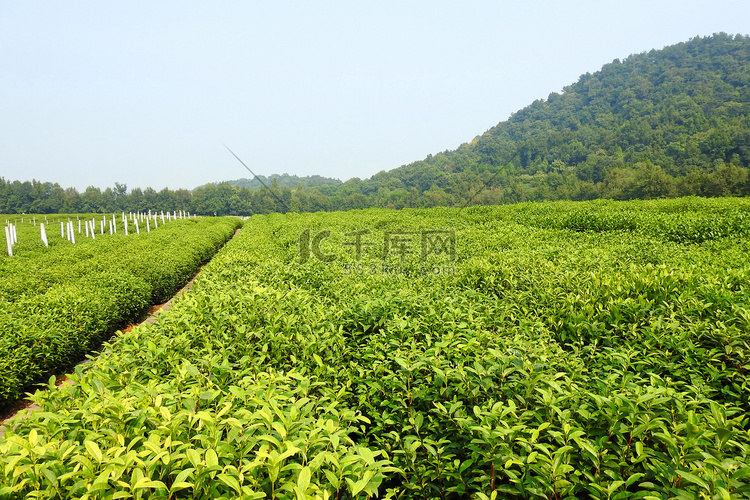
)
(67, 229)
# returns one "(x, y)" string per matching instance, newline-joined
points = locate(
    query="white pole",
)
(137, 231)
(125, 223)
(14, 233)
(93, 226)
(148, 226)
(43, 234)
(156, 222)
(114, 223)
(8, 242)
(72, 233)
(62, 230)
(87, 228)
(110, 228)
(79, 226)
(101, 226)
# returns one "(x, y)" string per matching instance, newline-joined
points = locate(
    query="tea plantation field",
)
(58, 302)
(561, 350)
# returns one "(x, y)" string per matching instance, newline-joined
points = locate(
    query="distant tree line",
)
(290, 181)
(46, 197)
(670, 122)
(642, 181)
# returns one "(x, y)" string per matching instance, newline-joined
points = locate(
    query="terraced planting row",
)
(57, 303)
(422, 354)
(67, 229)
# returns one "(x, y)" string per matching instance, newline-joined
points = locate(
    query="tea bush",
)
(539, 360)
(58, 303)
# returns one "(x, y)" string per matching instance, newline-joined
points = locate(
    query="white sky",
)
(145, 92)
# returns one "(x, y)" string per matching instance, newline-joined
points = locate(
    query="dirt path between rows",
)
(24, 407)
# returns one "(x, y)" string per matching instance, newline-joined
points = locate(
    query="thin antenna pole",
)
(259, 179)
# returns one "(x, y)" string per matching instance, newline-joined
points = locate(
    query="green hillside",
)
(285, 180)
(666, 123)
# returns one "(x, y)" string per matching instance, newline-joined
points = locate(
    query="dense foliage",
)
(665, 123)
(670, 122)
(57, 303)
(561, 350)
(285, 180)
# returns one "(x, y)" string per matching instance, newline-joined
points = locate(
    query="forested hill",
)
(670, 122)
(290, 181)
(663, 123)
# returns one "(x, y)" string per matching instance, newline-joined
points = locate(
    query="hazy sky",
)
(145, 92)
